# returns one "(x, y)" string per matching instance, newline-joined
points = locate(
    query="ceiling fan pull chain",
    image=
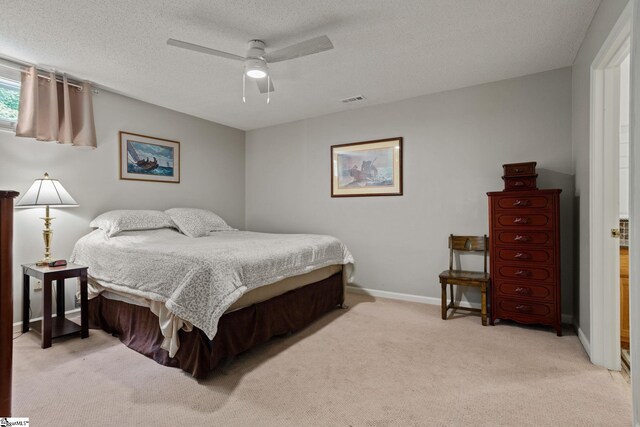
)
(268, 89)
(244, 99)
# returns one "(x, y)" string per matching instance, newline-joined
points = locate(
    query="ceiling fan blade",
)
(262, 85)
(309, 47)
(202, 49)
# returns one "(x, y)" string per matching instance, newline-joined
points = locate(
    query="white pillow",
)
(114, 222)
(197, 222)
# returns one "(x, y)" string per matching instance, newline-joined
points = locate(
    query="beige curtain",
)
(54, 111)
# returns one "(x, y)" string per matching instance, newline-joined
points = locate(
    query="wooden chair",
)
(476, 279)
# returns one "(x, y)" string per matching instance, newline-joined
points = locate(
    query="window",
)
(9, 99)
(9, 95)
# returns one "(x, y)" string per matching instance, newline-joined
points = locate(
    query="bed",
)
(191, 302)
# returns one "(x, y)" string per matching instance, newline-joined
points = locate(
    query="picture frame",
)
(368, 168)
(147, 158)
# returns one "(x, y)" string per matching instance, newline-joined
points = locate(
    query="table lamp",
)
(46, 192)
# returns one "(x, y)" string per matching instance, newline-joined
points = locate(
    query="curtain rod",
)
(18, 67)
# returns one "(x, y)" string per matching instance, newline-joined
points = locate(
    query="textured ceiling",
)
(386, 50)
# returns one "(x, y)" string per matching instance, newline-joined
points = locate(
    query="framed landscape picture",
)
(145, 158)
(370, 168)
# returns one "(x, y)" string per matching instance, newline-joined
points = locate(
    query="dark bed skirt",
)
(137, 327)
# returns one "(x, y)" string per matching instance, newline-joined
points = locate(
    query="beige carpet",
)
(379, 363)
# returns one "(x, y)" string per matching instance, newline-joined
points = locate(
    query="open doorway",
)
(624, 213)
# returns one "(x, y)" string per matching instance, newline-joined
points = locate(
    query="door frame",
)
(604, 258)
(634, 208)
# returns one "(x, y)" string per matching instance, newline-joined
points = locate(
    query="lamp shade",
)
(46, 192)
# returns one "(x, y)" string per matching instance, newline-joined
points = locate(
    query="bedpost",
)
(6, 299)
(346, 273)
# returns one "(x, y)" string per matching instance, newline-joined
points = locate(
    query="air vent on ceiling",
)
(358, 98)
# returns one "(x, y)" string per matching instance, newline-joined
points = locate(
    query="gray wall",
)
(454, 145)
(212, 177)
(602, 23)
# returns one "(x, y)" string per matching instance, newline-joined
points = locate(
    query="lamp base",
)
(47, 234)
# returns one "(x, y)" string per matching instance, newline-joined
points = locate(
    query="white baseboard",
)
(395, 295)
(584, 341)
(17, 326)
(566, 318)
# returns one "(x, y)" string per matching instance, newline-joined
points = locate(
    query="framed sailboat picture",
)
(370, 168)
(145, 158)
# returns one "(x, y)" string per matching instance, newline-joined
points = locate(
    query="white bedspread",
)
(198, 279)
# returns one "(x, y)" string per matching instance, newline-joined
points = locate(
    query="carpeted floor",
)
(379, 363)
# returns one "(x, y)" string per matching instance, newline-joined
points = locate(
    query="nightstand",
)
(59, 326)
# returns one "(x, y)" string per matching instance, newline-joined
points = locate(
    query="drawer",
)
(524, 220)
(513, 202)
(524, 238)
(515, 169)
(525, 255)
(539, 292)
(525, 311)
(538, 274)
(516, 183)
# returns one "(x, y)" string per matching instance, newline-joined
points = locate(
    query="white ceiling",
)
(386, 50)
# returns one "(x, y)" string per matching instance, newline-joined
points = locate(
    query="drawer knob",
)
(520, 220)
(521, 203)
(521, 238)
(523, 273)
(518, 184)
(517, 170)
(523, 308)
(523, 291)
(522, 255)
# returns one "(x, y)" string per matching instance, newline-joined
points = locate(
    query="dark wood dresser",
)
(524, 235)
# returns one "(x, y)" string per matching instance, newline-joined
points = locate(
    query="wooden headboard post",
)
(6, 299)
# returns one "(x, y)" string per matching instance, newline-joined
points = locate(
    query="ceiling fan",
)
(257, 60)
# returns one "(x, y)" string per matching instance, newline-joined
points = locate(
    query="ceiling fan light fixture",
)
(256, 73)
(256, 68)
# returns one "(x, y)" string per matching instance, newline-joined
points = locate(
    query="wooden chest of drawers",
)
(519, 176)
(524, 236)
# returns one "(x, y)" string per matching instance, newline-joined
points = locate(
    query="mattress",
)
(254, 296)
